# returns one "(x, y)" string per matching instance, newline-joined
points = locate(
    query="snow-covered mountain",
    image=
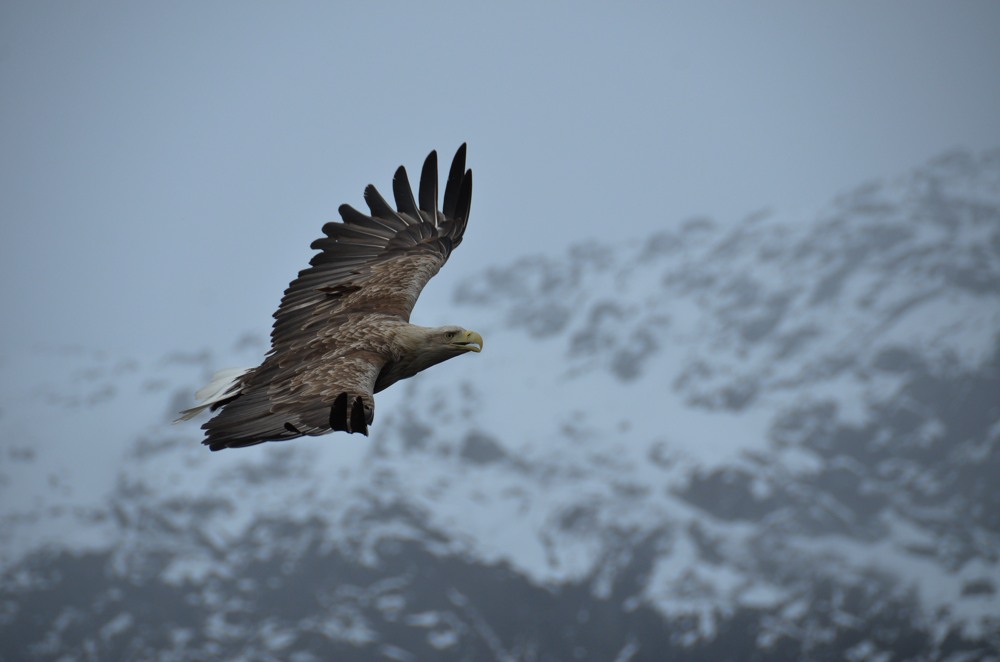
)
(774, 441)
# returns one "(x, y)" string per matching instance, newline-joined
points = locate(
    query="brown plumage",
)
(342, 331)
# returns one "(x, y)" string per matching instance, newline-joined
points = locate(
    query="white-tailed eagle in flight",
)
(342, 332)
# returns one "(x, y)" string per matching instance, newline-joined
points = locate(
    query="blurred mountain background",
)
(772, 441)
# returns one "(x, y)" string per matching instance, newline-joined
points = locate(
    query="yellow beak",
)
(473, 342)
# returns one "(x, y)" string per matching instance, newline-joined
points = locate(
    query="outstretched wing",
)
(328, 336)
(378, 263)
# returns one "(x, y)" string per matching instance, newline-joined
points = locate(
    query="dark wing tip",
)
(377, 204)
(452, 188)
(403, 193)
(465, 197)
(428, 186)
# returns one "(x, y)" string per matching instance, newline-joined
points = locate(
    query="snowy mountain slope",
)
(779, 438)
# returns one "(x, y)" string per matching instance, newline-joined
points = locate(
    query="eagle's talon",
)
(358, 422)
(338, 413)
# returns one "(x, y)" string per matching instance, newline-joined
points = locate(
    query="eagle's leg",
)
(351, 413)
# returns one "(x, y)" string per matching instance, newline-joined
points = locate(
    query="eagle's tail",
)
(224, 385)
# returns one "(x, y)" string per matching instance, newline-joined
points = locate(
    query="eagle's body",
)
(342, 331)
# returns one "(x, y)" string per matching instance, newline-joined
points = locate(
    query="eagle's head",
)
(421, 347)
(455, 340)
(437, 344)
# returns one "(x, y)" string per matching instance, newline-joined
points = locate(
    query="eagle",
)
(342, 332)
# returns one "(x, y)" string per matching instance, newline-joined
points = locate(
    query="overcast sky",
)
(164, 166)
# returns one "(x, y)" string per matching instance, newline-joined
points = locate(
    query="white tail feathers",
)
(225, 384)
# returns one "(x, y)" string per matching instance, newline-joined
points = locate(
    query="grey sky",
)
(164, 166)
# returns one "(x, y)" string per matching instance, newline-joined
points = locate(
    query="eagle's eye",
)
(450, 335)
